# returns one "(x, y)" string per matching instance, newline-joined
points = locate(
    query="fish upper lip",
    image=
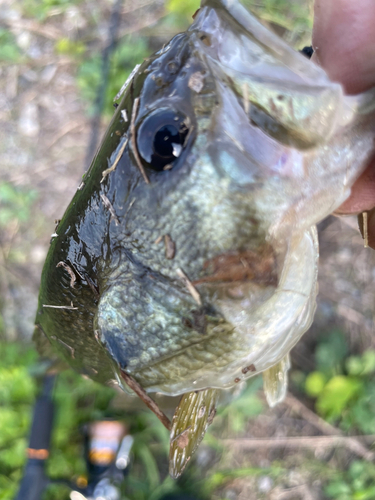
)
(242, 21)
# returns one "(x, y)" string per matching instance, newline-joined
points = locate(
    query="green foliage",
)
(40, 9)
(343, 386)
(80, 401)
(13, 354)
(2, 332)
(15, 204)
(334, 390)
(220, 478)
(16, 386)
(294, 17)
(337, 394)
(182, 10)
(9, 50)
(331, 352)
(357, 484)
(68, 47)
(237, 413)
(360, 416)
(314, 384)
(131, 51)
(361, 365)
(17, 391)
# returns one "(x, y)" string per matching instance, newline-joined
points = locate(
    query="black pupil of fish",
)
(165, 141)
(161, 139)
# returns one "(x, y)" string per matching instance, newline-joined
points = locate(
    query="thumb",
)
(344, 44)
(344, 41)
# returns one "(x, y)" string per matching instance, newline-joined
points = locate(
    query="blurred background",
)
(61, 64)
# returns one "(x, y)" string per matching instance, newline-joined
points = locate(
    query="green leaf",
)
(69, 47)
(130, 51)
(339, 490)
(336, 395)
(15, 203)
(361, 365)
(14, 456)
(168, 486)
(354, 365)
(16, 386)
(142, 451)
(366, 494)
(9, 50)
(186, 8)
(368, 359)
(315, 383)
(13, 424)
(41, 8)
(331, 352)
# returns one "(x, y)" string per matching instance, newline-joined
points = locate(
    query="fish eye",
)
(161, 138)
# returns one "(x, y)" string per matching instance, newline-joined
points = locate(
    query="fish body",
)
(188, 256)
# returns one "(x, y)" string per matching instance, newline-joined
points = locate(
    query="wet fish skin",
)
(272, 147)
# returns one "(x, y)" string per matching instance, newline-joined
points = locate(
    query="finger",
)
(344, 41)
(362, 197)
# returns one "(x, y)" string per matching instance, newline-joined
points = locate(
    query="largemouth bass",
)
(187, 259)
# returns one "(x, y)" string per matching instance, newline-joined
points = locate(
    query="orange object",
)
(37, 454)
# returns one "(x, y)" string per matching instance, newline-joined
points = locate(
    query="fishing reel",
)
(108, 456)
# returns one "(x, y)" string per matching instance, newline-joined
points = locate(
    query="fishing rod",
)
(107, 452)
(34, 480)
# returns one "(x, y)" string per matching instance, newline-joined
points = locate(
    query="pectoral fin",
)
(192, 417)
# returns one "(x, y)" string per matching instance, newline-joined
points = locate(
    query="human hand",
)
(344, 44)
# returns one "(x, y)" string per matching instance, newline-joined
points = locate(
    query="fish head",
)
(188, 257)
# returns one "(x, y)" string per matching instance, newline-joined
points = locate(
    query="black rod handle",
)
(34, 479)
